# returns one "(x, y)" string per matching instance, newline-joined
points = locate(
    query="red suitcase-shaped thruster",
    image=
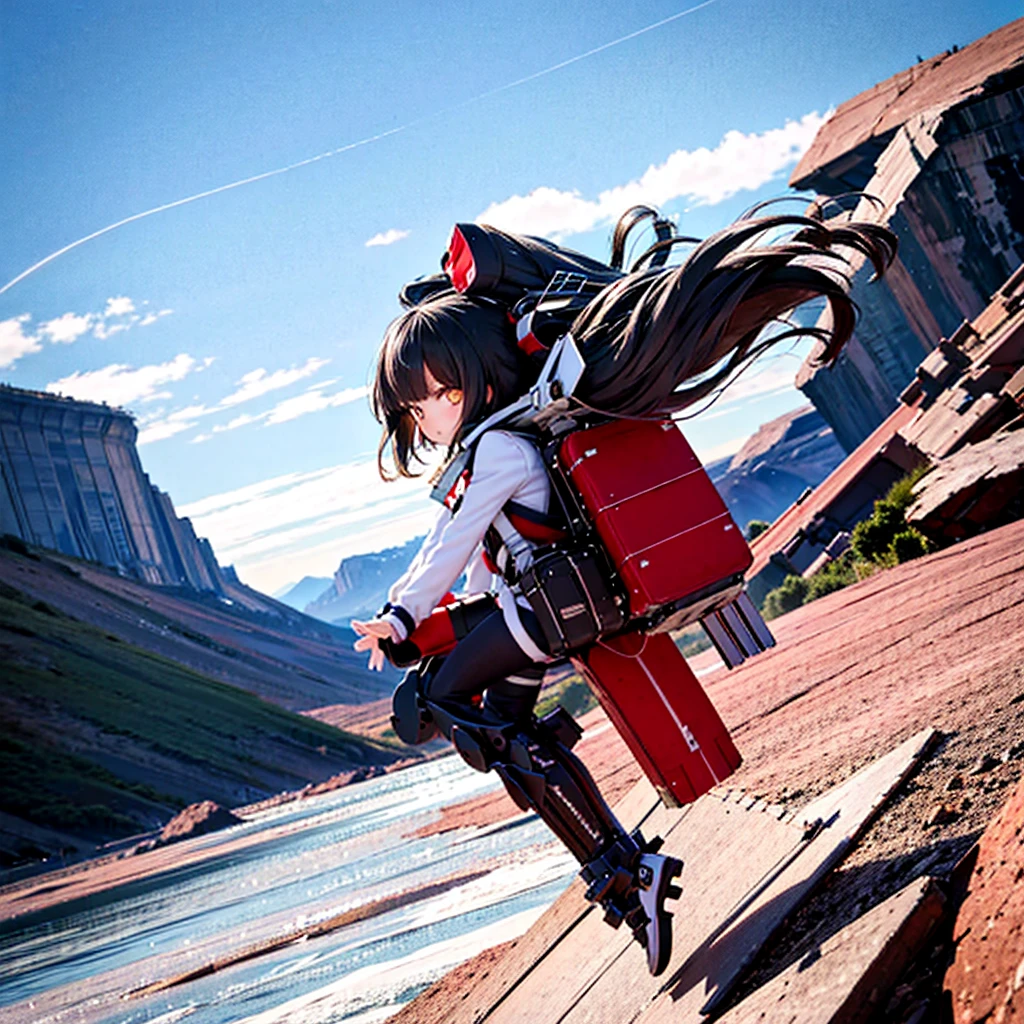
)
(667, 720)
(665, 526)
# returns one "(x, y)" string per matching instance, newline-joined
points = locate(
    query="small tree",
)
(756, 527)
(908, 545)
(790, 594)
(873, 537)
(901, 494)
(834, 576)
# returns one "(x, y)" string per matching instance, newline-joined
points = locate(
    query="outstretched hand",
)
(369, 634)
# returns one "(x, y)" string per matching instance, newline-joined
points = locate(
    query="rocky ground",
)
(934, 642)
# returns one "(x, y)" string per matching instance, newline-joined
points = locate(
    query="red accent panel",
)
(536, 532)
(458, 489)
(458, 262)
(530, 345)
(655, 702)
(434, 635)
(664, 524)
(490, 563)
(526, 339)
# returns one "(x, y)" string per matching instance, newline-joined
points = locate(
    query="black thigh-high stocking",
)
(539, 771)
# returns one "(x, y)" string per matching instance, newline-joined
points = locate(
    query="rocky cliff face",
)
(776, 465)
(361, 584)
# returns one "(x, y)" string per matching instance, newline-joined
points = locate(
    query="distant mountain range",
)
(773, 468)
(776, 465)
(308, 589)
(360, 584)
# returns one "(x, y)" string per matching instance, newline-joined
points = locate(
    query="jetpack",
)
(647, 546)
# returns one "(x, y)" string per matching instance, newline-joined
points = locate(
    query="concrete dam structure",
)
(71, 481)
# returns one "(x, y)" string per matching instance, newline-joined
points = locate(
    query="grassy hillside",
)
(100, 738)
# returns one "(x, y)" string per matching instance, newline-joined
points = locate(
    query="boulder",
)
(986, 978)
(197, 820)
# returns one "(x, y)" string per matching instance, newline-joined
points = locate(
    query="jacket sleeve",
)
(499, 468)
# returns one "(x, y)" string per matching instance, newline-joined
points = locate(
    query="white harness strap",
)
(514, 546)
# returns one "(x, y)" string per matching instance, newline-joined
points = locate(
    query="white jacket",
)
(505, 467)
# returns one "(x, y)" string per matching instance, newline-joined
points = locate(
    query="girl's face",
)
(439, 415)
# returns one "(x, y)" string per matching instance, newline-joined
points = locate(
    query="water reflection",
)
(303, 863)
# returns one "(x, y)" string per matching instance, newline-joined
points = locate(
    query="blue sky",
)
(240, 328)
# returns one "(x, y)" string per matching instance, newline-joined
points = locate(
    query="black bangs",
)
(465, 344)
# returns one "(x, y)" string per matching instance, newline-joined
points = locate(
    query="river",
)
(284, 870)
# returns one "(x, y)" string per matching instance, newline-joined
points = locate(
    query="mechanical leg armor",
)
(625, 874)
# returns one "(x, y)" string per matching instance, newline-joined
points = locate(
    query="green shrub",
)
(901, 493)
(873, 537)
(834, 576)
(790, 594)
(883, 539)
(908, 545)
(756, 527)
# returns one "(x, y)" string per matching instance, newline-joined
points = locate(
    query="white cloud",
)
(173, 423)
(772, 378)
(388, 237)
(250, 492)
(190, 412)
(720, 450)
(266, 527)
(271, 572)
(18, 339)
(259, 382)
(104, 330)
(14, 342)
(151, 318)
(150, 416)
(703, 176)
(239, 421)
(67, 328)
(160, 431)
(313, 401)
(775, 376)
(120, 306)
(546, 211)
(119, 384)
(252, 385)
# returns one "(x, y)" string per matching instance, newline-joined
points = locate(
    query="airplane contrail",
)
(351, 145)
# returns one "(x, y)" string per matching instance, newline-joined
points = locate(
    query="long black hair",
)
(655, 340)
(697, 324)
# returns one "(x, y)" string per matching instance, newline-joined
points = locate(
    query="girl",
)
(451, 360)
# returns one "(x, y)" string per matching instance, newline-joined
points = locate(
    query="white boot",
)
(654, 877)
